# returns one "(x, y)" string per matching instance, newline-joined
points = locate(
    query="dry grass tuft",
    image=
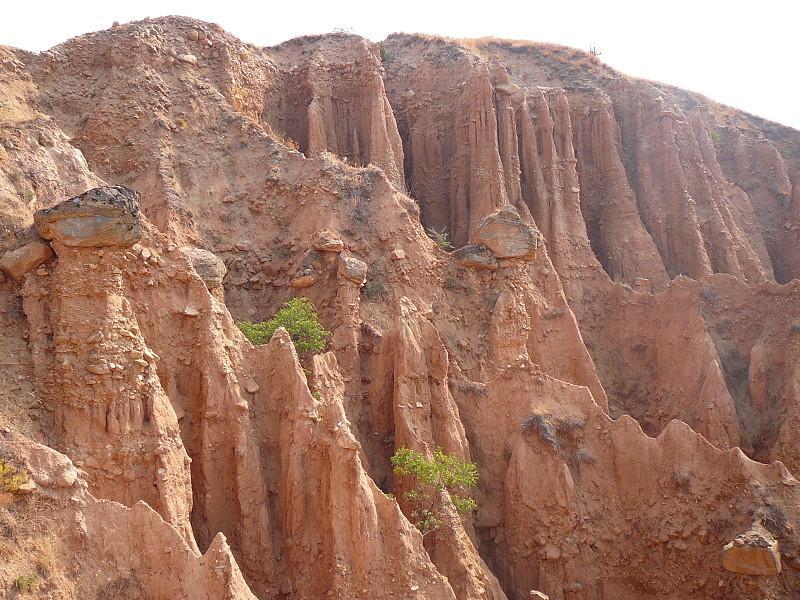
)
(286, 140)
(11, 478)
(30, 566)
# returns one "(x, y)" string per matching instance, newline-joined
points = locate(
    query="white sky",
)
(742, 53)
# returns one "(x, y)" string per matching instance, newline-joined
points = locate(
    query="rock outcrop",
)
(26, 258)
(107, 216)
(754, 552)
(138, 553)
(506, 235)
(336, 102)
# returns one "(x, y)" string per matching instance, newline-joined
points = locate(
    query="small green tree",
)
(299, 318)
(440, 237)
(432, 476)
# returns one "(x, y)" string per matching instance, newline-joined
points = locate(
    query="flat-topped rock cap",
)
(209, 266)
(352, 269)
(507, 235)
(103, 216)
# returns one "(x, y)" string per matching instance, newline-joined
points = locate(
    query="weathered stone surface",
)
(328, 241)
(303, 281)
(754, 552)
(103, 216)
(209, 266)
(328, 90)
(25, 258)
(475, 257)
(45, 467)
(352, 269)
(507, 235)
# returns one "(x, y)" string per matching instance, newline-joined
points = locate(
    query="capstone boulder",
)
(209, 266)
(475, 257)
(507, 235)
(103, 216)
(352, 269)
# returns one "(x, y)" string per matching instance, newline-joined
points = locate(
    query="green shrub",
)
(26, 583)
(440, 237)
(11, 478)
(432, 476)
(300, 320)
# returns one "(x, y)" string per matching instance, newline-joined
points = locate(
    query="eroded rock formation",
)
(605, 322)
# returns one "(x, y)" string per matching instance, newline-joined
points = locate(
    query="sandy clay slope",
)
(614, 338)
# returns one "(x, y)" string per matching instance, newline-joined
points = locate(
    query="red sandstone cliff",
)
(612, 342)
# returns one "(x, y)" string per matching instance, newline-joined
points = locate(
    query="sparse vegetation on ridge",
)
(30, 560)
(440, 237)
(11, 478)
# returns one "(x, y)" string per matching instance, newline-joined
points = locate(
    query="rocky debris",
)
(189, 59)
(538, 596)
(209, 266)
(103, 216)
(642, 285)
(507, 235)
(99, 369)
(50, 471)
(303, 281)
(26, 258)
(328, 241)
(397, 254)
(754, 552)
(475, 257)
(352, 269)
